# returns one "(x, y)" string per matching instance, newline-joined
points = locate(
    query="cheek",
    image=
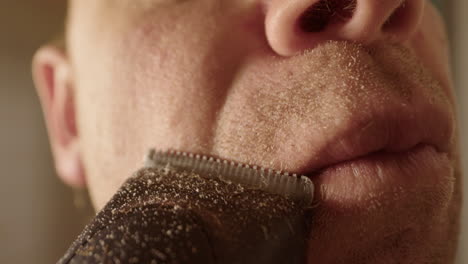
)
(162, 77)
(128, 101)
(430, 43)
(148, 84)
(175, 76)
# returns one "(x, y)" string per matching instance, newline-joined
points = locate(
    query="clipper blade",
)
(296, 187)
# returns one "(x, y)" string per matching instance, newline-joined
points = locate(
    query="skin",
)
(241, 80)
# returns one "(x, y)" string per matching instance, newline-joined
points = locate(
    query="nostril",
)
(325, 13)
(398, 18)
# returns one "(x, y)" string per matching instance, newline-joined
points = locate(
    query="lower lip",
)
(376, 177)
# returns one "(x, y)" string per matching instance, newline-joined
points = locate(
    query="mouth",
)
(375, 178)
(331, 114)
(392, 130)
(375, 153)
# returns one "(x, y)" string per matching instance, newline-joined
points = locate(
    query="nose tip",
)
(295, 25)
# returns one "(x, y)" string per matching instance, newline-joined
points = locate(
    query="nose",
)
(295, 25)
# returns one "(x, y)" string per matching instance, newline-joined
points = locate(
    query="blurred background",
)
(38, 218)
(39, 215)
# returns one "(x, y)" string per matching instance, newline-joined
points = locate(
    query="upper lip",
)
(392, 128)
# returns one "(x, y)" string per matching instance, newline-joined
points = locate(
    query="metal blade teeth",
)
(297, 187)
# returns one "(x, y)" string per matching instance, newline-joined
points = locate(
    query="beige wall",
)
(458, 17)
(38, 218)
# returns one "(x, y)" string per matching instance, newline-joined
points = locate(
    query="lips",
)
(387, 128)
(386, 147)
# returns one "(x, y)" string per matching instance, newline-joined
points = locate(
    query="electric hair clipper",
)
(185, 208)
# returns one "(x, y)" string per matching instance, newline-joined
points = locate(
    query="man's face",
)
(357, 95)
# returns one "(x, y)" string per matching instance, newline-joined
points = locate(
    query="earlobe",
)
(54, 84)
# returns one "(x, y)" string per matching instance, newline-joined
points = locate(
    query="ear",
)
(54, 84)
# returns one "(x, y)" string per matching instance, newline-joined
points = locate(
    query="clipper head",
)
(185, 208)
(295, 187)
